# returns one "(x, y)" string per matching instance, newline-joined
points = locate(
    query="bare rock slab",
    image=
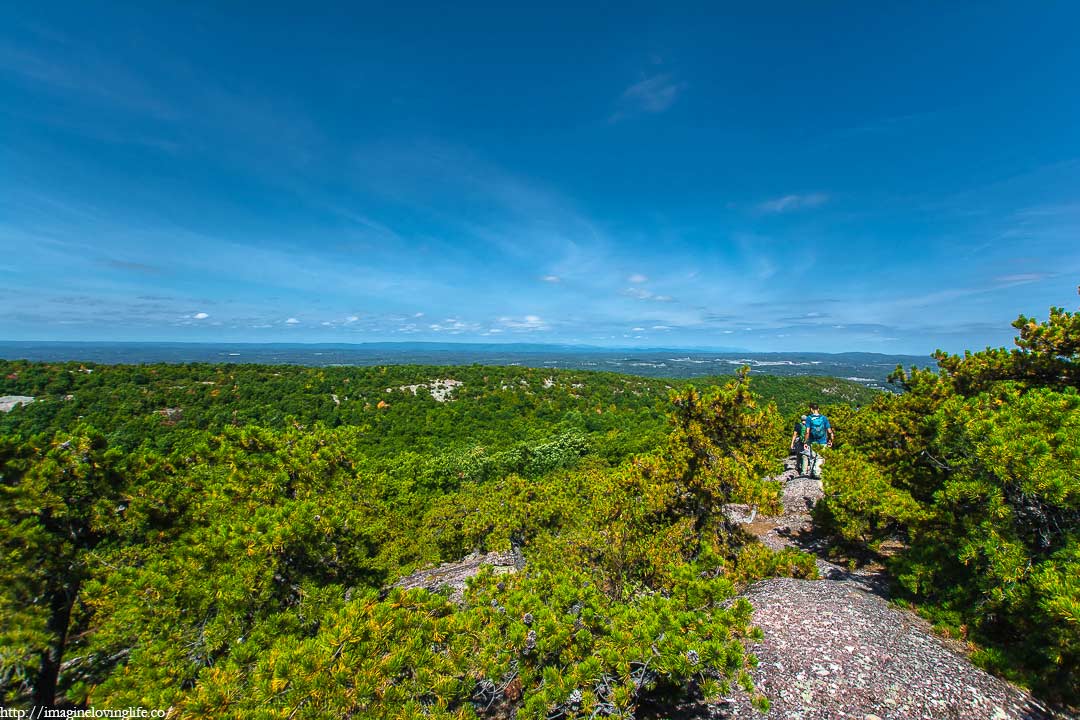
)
(831, 651)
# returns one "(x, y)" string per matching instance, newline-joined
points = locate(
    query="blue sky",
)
(787, 176)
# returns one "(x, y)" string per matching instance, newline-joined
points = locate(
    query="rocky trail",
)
(795, 528)
(835, 647)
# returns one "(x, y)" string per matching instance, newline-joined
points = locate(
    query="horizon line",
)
(493, 345)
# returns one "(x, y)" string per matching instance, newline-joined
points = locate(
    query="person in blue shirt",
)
(818, 432)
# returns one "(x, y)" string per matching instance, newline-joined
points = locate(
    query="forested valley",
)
(223, 540)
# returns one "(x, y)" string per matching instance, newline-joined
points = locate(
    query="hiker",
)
(797, 436)
(818, 432)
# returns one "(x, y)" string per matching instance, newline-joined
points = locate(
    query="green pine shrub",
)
(861, 507)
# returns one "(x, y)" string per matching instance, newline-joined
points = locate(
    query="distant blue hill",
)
(48, 345)
(868, 368)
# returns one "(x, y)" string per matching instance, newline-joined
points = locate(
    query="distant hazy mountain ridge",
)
(871, 369)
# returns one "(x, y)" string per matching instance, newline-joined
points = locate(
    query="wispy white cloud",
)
(137, 267)
(86, 74)
(765, 268)
(789, 203)
(511, 216)
(528, 323)
(292, 321)
(653, 94)
(200, 316)
(454, 326)
(165, 102)
(1023, 278)
(551, 279)
(641, 293)
(1045, 211)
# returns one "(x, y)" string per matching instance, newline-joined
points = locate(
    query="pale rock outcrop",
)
(10, 402)
(453, 575)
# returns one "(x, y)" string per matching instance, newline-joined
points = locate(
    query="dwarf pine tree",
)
(729, 445)
(59, 498)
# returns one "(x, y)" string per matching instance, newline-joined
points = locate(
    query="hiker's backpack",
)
(817, 425)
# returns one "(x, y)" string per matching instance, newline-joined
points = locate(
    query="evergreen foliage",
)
(197, 561)
(494, 407)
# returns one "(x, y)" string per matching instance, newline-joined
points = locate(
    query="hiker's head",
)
(813, 407)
